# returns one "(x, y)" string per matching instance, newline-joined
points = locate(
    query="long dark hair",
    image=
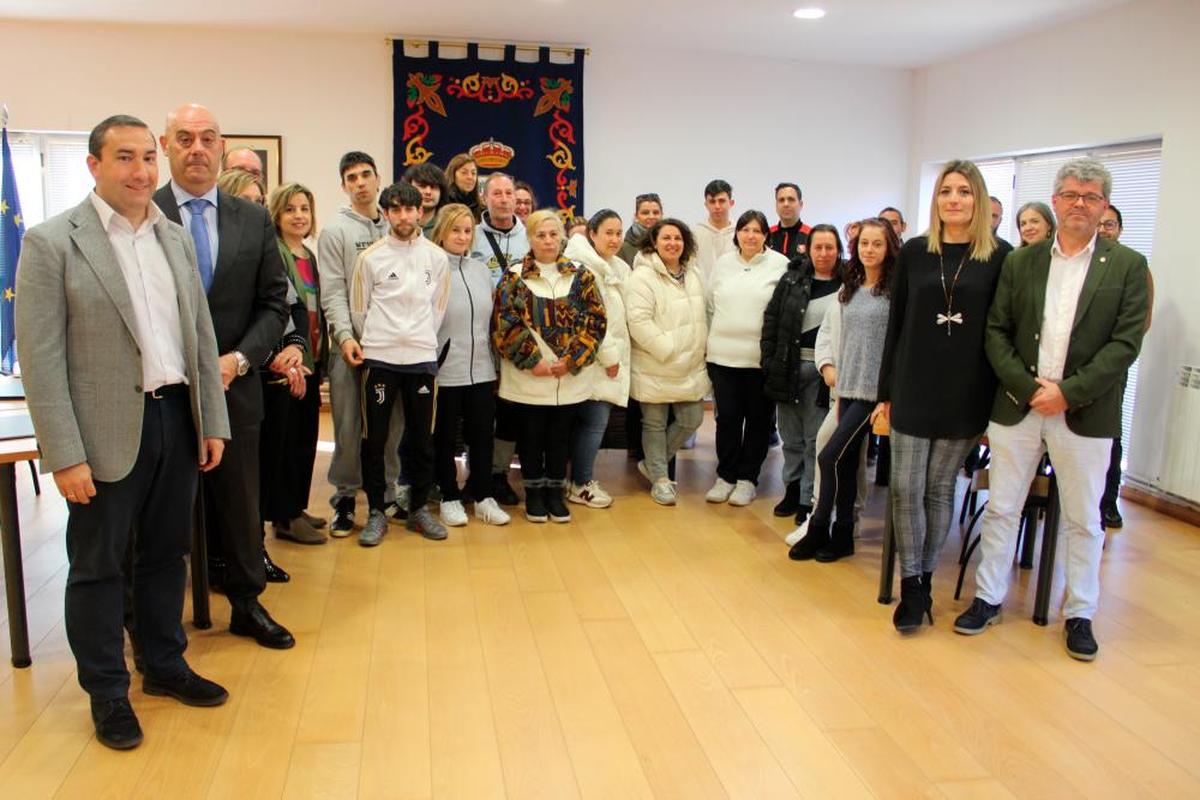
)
(825, 227)
(854, 273)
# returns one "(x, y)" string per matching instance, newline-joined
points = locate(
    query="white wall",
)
(665, 122)
(1128, 73)
(670, 121)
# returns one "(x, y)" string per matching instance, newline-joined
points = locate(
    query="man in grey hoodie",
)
(354, 229)
(500, 242)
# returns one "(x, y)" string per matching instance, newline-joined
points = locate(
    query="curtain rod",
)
(521, 47)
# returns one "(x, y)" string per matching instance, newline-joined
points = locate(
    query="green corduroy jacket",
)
(1110, 320)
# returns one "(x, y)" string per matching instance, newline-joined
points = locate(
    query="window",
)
(1135, 169)
(51, 171)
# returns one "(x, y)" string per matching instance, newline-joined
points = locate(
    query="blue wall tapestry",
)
(518, 117)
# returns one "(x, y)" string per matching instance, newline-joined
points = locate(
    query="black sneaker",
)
(116, 724)
(1110, 517)
(502, 493)
(556, 505)
(343, 518)
(978, 617)
(188, 688)
(395, 513)
(1081, 645)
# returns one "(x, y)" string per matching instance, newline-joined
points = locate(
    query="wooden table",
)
(13, 452)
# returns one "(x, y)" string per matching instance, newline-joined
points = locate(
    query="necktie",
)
(199, 230)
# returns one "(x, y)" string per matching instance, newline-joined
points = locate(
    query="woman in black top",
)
(789, 335)
(935, 383)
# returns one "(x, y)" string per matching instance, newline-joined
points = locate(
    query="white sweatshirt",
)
(711, 244)
(737, 299)
(398, 297)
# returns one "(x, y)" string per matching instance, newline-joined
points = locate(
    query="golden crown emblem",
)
(492, 154)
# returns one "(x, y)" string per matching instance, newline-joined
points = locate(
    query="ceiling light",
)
(808, 13)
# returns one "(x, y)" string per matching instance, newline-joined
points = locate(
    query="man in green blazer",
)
(1065, 324)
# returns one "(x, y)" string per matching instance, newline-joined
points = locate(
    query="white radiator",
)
(1181, 466)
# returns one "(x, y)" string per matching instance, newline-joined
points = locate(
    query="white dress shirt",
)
(1063, 285)
(152, 292)
(210, 215)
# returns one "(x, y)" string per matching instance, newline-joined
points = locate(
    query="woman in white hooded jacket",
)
(610, 374)
(668, 327)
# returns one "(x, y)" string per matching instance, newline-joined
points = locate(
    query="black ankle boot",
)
(927, 589)
(911, 607)
(535, 504)
(841, 543)
(790, 502)
(815, 539)
(802, 513)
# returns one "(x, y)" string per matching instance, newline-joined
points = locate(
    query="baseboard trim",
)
(1162, 502)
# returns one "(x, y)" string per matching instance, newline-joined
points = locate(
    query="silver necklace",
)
(951, 317)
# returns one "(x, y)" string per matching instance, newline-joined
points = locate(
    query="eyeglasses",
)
(1110, 225)
(1091, 198)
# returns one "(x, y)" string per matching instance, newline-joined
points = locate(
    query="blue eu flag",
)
(12, 228)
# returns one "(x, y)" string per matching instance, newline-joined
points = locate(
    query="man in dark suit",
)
(1065, 324)
(120, 371)
(241, 270)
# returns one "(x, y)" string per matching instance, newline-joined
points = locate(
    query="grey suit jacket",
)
(80, 360)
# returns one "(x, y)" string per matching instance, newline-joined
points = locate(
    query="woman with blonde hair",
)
(291, 378)
(548, 322)
(243, 184)
(935, 386)
(467, 375)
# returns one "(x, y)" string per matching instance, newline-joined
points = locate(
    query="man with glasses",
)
(647, 210)
(1066, 322)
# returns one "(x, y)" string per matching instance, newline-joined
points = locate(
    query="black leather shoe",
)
(252, 620)
(1110, 516)
(502, 493)
(116, 724)
(977, 618)
(790, 503)
(1081, 644)
(188, 688)
(275, 573)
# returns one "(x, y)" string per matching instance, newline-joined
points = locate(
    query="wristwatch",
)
(243, 363)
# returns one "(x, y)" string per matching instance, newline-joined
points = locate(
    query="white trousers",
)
(1080, 463)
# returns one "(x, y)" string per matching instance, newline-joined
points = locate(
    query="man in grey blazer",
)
(120, 370)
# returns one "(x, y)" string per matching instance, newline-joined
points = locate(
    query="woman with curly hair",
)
(863, 304)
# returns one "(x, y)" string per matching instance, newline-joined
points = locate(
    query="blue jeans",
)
(590, 423)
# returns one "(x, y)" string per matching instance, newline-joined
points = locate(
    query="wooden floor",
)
(637, 652)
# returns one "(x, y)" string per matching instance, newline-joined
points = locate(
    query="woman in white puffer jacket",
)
(610, 374)
(668, 326)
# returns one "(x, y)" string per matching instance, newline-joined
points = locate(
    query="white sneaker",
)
(720, 491)
(489, 511)
(644, 472)
(797, 534)
(743, 494)
(591, 494)
(663, 492)
(453, 513)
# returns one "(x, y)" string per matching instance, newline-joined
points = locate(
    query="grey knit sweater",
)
(864, 329)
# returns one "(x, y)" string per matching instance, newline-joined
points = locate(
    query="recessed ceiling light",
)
(808, 13)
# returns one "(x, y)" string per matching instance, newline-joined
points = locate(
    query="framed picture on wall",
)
(269, 149)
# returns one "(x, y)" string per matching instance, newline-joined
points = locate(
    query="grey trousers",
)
(660, 441)
(798, 427)
(924, 474)
(345, 467)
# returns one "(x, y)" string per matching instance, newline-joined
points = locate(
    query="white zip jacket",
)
(614, 349)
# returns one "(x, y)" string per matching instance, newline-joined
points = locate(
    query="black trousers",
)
(156, 498)
(1112, 478)
(838, 462)
(231, 516)
(475, 408)
(417, 394)
(287, 448)
(745, 420)
(544, 442)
